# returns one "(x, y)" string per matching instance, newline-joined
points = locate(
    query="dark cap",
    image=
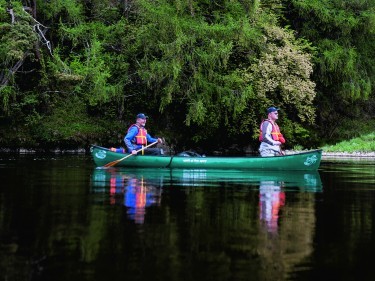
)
(142, 116)
(272, 109)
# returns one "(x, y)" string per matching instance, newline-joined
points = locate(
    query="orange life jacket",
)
(141, 137)
(276, 134)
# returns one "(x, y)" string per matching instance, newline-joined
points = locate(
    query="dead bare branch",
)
(11, 12)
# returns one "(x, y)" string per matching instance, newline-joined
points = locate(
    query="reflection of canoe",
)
(309, 180)
(306, 161)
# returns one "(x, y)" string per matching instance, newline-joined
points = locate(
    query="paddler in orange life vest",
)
(137, 137)
(270, 137)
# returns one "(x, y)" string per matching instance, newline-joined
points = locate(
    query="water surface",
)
(63, 219)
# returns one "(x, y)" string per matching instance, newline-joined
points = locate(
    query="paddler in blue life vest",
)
(270, 137)
(137, 137)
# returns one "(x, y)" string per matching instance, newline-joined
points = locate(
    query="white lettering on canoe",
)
(311, 160)
(194, 161)
(101, 154)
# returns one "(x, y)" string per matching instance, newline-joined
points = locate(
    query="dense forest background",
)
(76, 72)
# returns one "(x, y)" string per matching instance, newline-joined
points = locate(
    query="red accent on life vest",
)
(276, 134)
(141, 137)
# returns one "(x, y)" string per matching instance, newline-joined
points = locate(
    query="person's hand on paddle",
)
(160, 140)
(134, 152)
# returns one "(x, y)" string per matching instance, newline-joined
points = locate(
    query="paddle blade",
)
(113, 163)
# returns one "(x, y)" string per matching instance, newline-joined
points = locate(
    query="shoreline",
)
(325, 154)
(348, 155)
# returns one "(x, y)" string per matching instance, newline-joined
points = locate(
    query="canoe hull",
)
(305, 161)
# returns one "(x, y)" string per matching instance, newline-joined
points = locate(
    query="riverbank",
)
(349, 154)
(326, 154)
(364, 156)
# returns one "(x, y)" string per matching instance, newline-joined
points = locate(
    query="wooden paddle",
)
(110, 164)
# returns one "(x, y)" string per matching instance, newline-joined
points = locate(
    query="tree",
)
(209, 60)
(18, 36)
(200, 68)
(343, 34)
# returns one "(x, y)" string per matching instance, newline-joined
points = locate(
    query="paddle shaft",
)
(110, 164)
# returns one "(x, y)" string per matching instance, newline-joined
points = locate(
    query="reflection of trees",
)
(57, 229)
(282, 252)
(197, 232)
(9, 246)
(223, 235)
(46, 214)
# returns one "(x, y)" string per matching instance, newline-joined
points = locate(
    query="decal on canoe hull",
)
(311, 160)
(101, 154)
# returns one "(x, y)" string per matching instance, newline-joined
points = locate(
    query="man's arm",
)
(129, 137)
(151, 139)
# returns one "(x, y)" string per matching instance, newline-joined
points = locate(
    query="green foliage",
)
(88, 72)
(17, 39)
(343, 34)
(186, 60)
(365, 143)
(344, 71)
(294, 133)
(7, 94)
(215, 66)
(71, 11)
(199, 68)
(76, 127)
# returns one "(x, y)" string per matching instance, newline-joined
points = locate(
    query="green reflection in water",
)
(70, 221)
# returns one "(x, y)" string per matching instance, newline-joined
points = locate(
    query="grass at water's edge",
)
(361, 145)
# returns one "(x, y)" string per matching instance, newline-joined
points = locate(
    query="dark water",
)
(63, 219)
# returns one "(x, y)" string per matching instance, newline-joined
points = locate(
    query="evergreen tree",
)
(199, 67)
(343, 34)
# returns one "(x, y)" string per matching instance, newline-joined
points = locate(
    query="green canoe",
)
(305, 161)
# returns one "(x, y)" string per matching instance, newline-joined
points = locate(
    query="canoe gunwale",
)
(223, 157)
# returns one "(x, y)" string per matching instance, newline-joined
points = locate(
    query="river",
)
(61, 218)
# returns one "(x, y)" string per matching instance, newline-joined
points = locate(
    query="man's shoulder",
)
(133, 128)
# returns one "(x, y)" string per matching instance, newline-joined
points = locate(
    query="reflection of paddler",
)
(116, 186)
(133, 191)
(271, 199)
(136, 199)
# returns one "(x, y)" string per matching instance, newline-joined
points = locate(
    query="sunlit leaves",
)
(16, 45)
(282, 74)
(17, 37)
